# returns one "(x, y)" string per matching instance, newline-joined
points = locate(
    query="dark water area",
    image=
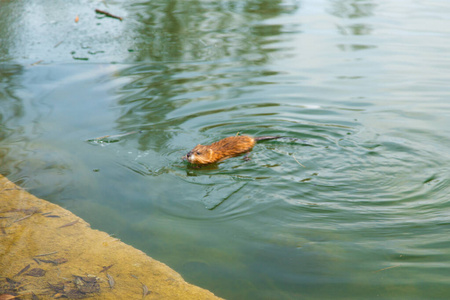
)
(353, 206)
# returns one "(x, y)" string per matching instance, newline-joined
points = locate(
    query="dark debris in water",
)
(106, 268)
(36, 272)
(10, 286)
(87, 284)
(55, 262)
(80, 58)
(23, 270)
(69, 224)
(108, 14)
(81, 287)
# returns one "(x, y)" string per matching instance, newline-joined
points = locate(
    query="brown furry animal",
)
(223, 149)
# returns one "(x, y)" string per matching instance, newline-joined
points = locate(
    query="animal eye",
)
(198, 152)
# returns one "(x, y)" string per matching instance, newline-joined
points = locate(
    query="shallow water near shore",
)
(355, 206)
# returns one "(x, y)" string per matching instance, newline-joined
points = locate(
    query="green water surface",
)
(356, 206)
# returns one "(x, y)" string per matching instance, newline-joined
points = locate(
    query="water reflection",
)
(8, 28)
(12, 111)
(352, 9)
(226, 42)
(197, 30)
(11, 106)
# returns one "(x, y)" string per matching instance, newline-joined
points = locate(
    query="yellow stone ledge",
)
(46, 252)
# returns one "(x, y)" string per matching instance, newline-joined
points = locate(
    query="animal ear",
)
(210, 153)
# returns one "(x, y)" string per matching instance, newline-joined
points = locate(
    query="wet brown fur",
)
(223, 149)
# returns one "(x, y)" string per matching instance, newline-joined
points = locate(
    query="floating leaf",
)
(110, 280)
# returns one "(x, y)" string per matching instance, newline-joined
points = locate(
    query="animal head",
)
(200, 155)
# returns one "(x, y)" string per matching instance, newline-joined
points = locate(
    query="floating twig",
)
(298, 161)
(55, 262)
(108, 14)
(30, 210)
(12, 189)
(57, 44)
(104, 269)
(387, 268)
(26, 217)
(36, 63)
(80, 58)
(22, 271)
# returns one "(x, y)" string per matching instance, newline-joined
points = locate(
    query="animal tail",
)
(264, 138)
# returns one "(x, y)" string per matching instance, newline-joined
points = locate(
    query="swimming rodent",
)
(223, 149)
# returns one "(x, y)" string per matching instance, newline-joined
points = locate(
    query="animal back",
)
(232, 146)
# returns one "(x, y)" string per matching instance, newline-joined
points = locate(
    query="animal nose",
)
(189, 154)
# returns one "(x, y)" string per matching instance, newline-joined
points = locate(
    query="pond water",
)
(353, 205)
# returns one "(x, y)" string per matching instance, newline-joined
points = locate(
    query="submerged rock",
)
(62, 257)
